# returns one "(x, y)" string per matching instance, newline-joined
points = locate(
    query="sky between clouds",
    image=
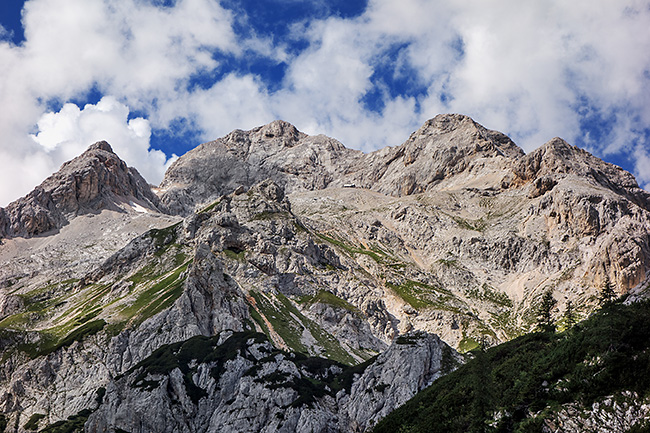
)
(156, 78)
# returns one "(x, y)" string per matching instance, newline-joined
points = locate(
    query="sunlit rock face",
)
(277, 281)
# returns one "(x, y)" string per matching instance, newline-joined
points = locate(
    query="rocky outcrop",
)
(409, 365)
(444, 146)
(98, 179)
(617, 413)
(277, 151)
(240, 382)
(557, 159)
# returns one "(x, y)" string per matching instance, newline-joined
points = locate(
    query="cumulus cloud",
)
(534, 70)
(132, 50)
(67, 133)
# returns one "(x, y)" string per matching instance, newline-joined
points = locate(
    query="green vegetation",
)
(545, 311)
(607, 293)
(158, 296)
(569, 317)
(32, 424)
(49, 342)
(516, 386)
(377, 254)
(467, 344)
(280, 318)
(180, 355)
(269, 215)
(477, 225)
(290, 324)
(235, 254)
(210, 207)
(451, 262)
(327, 297)
(164, 236)
(486, 293)
(39, 304)
(420, 295)
(74, 424)
(507, 322)
(316, 379)
(75, 312)
(80, 333)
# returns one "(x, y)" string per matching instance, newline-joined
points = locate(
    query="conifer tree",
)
(545, 312)
(569, 315)
(607, 293)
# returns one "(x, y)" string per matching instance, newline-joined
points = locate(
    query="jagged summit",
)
(444, 124)
(97, 179)
(290, 249)
(276, 151)
(557, 160)
(100, 145)
(448, 151)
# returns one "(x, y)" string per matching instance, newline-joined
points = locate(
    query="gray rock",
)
(97, 179)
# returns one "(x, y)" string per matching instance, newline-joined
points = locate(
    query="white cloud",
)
(526, 68)
(67, 133)
(642, 165)
(139, 53)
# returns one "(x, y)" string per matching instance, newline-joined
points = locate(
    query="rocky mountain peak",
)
(282, 131)
(484, 140)
(557, 159)
(97, 179)
(100, 145)
(277, 151)
(443, 123)
(445, 146)
(297, 263)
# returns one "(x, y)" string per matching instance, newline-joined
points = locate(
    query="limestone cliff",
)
(282, 282)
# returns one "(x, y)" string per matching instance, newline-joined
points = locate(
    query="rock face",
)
(97, 179)
(444, 146)
(277, 151)
(242, 383)
(613, 414)
(282, 282)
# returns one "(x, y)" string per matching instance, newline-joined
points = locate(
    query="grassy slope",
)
(61, 313)
(602, 356)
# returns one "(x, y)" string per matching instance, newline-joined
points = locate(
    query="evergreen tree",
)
(545, 312)
(569, 315)
(607, 293)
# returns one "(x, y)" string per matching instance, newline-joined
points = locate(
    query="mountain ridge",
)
(326, 251)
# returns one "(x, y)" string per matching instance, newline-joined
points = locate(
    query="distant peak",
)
(279, 130)
(475, 135)
(447, 122)
(97, 179)
(558, 143)
(101, 145)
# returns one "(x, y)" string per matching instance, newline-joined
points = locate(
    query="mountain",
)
(97, 179)
(277, 281)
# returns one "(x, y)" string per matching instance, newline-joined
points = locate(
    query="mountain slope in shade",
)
(97, 179)
(593, 377)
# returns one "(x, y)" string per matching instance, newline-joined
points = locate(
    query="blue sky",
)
(157, 77)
